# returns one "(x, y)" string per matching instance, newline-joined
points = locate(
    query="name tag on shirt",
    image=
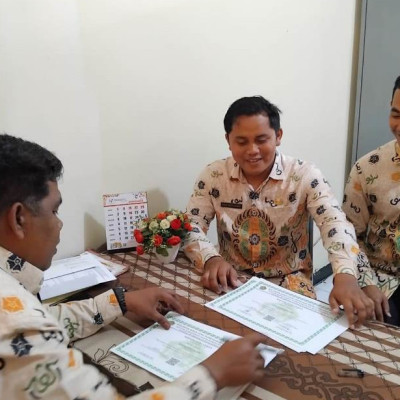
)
(231, 205)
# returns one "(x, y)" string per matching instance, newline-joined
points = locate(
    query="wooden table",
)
(374, 348)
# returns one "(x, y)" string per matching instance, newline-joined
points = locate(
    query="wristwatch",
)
(120, 295)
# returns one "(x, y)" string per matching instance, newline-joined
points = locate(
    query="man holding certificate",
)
(262, 200)
(36, 361)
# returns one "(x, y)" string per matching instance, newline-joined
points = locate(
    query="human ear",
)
(227, 139)
(16, 217)
(279, 135)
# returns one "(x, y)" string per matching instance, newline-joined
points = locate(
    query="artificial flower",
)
(164, 224)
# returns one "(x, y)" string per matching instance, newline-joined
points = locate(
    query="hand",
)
(145, 304)
(218, 274)
(380, 300)
(357, 306)
(236, 362)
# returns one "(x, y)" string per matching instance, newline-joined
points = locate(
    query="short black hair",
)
(396, 85)
(252, 106)
(25, 170)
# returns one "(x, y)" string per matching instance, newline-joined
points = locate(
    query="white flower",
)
(164, 224)
(141, 225)
(171, 217)
(153, 226)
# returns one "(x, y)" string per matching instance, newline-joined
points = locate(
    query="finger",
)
(173, 302)
(213, 281)
(349, 311)
(385, 305)
(205, 279)
(233, 278)
(360, 308)
(222, 273)
(255, 338)
(334, 304)
(160, 319)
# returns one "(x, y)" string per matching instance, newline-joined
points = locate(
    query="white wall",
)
(131, 94)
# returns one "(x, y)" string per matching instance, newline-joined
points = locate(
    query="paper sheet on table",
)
(170, 353)
(296, 321)
(71, 274)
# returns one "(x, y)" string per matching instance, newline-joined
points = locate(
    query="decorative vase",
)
(172, 253)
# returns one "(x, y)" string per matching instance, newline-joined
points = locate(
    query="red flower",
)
(187, 226)
(139, 250)
(173, 240)
(138, 235)
(157, 240)
(176, 223)
(161, 215)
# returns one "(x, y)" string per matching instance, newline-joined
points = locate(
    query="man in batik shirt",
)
(263, 200)
(372, 204)
(35, 360)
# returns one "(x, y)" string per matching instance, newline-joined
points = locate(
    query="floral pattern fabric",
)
(372, 203)
(265, 230)
(35, 360)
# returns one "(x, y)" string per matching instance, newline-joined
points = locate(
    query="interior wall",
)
(131, 95)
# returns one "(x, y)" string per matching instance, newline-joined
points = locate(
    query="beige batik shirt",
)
(35, 360)
(372, 204)
(265, 230)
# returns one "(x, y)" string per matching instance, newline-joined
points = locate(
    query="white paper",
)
(73, 274)
(296, 321)
(170, 353)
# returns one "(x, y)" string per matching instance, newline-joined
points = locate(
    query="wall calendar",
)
(121, 212)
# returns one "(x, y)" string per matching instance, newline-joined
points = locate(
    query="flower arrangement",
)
(165, 230)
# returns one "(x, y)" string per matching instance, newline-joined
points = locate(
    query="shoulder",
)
(218, 168)
(378, 156)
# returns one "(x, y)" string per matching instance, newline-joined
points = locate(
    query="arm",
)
(356, 206)
(338, 237)
(217, 273)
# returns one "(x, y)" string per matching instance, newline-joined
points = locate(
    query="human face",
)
(43, 229)
(394, 116)
(253, 142)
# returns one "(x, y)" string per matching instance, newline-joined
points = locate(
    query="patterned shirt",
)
(265, 231)
(372, 204)
(35, 360)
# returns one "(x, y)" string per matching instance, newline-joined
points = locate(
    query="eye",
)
(55, 212)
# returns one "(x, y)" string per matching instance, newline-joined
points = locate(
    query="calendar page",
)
(121, 211)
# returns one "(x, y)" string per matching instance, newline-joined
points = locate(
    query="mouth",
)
(254, 160)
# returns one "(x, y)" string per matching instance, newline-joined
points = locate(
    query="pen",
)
(351, 373)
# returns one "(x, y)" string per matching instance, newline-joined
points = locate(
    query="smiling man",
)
(372, 204)
(35, 360)
(263, 200)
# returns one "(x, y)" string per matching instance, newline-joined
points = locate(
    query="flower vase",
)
(172, 253)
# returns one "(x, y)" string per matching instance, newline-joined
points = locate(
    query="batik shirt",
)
(372, 204)
(265, 230)
(35, 362)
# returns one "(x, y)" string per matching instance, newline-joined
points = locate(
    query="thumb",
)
(255, 338)
(160, 319)
(233, 277)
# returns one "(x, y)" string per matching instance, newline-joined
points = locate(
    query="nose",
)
(253, 148)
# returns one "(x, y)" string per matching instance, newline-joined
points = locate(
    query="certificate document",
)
(296, 321)
(170, 353)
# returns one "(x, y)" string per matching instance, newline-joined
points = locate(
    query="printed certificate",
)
(296, 321)
(170, 353)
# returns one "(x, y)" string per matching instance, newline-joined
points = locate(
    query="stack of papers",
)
(71, 274)
(296, 321)
(170, 353)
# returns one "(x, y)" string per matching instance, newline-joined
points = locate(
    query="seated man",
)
(262, 200)
(372, 204)
(35, 360)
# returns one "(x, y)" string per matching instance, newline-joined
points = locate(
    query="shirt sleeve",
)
(337, 233)
(85, 317)
(197, 247)
(356, 206)
(36, 362)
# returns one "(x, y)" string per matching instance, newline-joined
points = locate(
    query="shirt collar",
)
(28, 275)
(276, 173)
